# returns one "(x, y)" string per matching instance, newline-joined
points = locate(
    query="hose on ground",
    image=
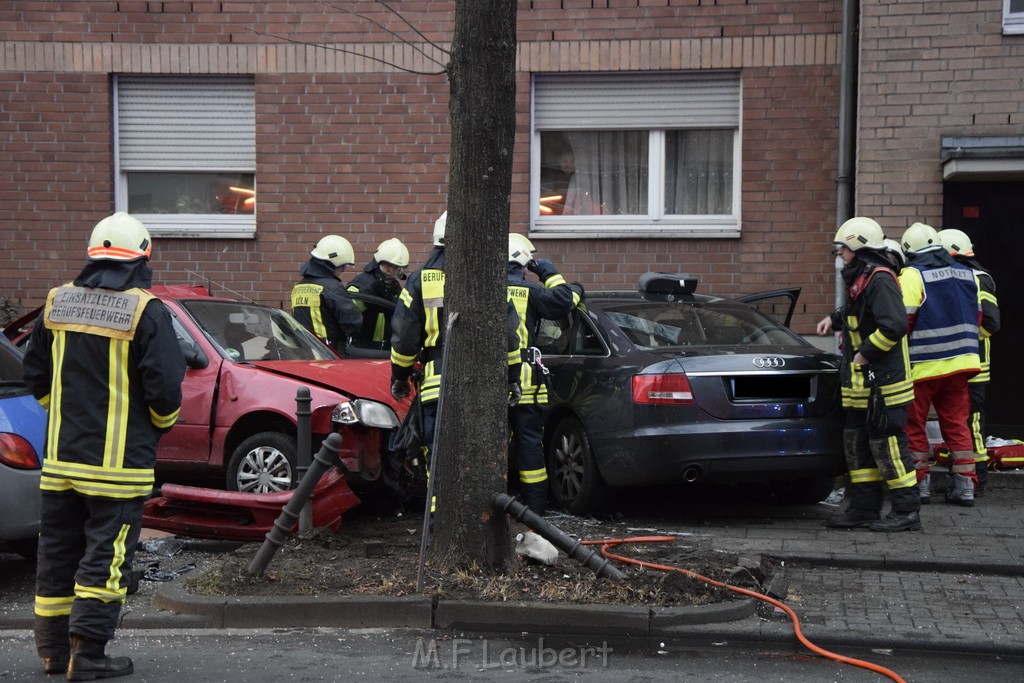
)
(607, 544)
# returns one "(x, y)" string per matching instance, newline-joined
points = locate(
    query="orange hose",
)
(611, 543)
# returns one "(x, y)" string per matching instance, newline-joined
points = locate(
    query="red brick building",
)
(703, 135)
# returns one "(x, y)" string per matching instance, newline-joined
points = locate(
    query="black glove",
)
(387, 288)
(543, 268)
(399, 389)
(578, 286)
(515, 393)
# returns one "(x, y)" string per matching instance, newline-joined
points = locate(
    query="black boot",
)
(852, 518)
(89, 662)
(899, 521)
(55, 665)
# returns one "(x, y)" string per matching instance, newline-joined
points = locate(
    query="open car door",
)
(373, 339)
(779, 304)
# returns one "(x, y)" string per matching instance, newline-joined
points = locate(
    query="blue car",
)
(22, 430)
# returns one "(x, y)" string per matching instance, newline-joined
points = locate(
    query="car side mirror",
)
(194, 356)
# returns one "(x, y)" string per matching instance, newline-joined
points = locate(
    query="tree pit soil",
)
(374, 554)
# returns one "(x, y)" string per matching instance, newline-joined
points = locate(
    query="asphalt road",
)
(404, 655)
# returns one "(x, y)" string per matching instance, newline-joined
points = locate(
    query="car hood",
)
(357, 379)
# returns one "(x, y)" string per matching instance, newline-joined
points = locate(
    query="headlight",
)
(367, 413)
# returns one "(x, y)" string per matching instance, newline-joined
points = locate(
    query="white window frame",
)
(1013, 20)
(689, 87)
(221, 130)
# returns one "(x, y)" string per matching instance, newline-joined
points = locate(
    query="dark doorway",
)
(992, 215)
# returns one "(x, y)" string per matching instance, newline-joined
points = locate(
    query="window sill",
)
(199, 227)
(604, 229)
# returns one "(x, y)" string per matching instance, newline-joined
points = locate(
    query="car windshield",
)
(250, 332)
(661, 325)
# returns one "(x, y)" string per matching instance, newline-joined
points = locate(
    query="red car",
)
(237, 423)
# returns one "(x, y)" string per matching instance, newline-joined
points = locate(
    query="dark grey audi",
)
(661, 385)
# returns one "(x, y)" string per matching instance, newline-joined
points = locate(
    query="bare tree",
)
(473, 431)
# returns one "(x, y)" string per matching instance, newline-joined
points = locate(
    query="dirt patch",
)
(379, 555)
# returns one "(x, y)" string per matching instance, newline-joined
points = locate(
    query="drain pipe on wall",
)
(847, 130)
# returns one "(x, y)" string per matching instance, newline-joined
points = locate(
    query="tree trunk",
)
(471, 463)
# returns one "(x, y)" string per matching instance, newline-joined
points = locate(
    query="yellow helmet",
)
(119, 238)
(920, 237)
(439, 227)
(860, 233)
(520, 249)
(336, 249)
(392, 251)
(956, 242)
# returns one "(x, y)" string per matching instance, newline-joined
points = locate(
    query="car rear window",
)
(655, 325)
(10, 363)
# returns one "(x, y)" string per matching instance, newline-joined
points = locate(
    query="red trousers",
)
(952, 404)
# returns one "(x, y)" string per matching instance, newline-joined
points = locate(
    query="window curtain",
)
(698, 172)
(610, 173)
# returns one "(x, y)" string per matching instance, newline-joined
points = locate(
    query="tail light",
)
(671, 389)
(16, 452)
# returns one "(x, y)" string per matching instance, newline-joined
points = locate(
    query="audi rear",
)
(662, 386)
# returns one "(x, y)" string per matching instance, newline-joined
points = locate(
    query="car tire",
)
(804, 491)
(573, 477)
(26, 547)
(264, 463)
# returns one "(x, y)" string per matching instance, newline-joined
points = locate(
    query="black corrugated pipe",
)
(572, 547)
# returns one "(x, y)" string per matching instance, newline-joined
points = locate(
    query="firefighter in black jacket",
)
(959, 246)
(551, 298)
(105, 363)
(319, 300)
(418, 333)
(876, 384)
(382, 277)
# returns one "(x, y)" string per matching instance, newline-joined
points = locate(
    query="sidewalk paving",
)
(957, 586)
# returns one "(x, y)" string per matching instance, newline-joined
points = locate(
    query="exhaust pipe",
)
(692, 473)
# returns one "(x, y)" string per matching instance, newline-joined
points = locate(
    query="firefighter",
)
(959, 246)
(417, 332)
(319, 300)
(551, 298)
(382, 277)
(943, 302)
(876, 385)
(105, 363)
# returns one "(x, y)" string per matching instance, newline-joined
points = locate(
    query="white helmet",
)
(439, 227)
(392, 251)
(860, 233)
(894, 248)
(956, 242)
(119, 238)
(919, 238)
(336, 249)
(520, 249)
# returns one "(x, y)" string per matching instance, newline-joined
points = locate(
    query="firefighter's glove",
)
(578, 288)
(399, 389)
(543, 268)
(388, 287)
(515, 393)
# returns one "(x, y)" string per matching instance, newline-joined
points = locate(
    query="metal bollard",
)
(322, 461)
(303, 441)
(564, 542)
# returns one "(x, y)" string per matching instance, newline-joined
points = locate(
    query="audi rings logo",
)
(769, 362)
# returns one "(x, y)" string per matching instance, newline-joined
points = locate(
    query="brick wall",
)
(347, 142)
(928, 70)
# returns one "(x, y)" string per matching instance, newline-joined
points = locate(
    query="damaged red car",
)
(246, 363)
